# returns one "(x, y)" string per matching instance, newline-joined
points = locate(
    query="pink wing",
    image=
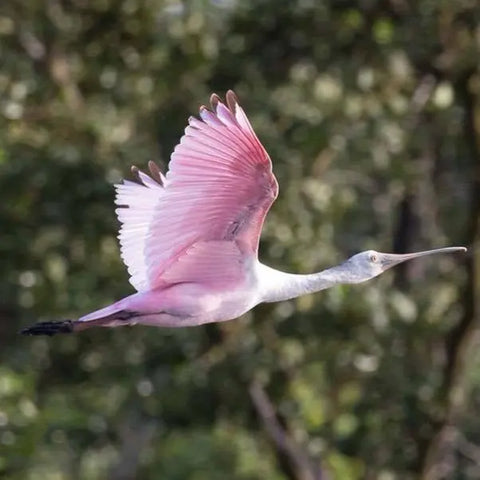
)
(218, 190)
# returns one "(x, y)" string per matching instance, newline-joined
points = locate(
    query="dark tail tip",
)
(49, 328)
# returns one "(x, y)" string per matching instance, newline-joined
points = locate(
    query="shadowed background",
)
(371, 114)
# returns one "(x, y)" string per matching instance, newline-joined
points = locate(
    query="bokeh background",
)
(371, 113)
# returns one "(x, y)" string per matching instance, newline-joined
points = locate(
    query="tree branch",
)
(467, 333)
(300, 467)
(135, 435)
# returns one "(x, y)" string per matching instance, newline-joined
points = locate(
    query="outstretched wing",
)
(219, 188)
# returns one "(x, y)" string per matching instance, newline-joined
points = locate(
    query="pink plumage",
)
(218, 189)
(190, 238)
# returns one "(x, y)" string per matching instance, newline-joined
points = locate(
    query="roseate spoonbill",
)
(190, 238)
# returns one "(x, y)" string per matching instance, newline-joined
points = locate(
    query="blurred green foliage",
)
(371, 113)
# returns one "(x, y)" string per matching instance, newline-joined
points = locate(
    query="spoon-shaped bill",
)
(389, 260)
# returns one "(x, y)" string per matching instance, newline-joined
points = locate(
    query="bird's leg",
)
(69, 326)
(49, 328)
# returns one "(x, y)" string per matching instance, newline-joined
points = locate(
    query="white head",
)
(366, 265)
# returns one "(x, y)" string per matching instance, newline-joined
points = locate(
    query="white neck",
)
(276, 286)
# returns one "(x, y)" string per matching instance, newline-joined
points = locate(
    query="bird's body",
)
(182, 304)
(190, 238)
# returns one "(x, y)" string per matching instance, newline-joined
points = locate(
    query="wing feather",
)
(207, 213)
(136, 202)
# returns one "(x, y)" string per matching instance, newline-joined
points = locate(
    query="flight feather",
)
(218, 188)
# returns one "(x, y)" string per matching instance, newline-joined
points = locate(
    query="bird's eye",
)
(373, 258)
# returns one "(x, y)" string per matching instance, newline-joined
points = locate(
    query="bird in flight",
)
(190, 238)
